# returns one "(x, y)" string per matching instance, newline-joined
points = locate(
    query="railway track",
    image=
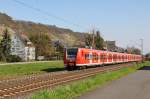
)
(12, 88)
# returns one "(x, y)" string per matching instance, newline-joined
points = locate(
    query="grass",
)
(30, 68)
(75, 89)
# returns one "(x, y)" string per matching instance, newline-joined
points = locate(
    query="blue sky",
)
(125, 21)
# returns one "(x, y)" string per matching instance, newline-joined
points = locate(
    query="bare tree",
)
(94, 40)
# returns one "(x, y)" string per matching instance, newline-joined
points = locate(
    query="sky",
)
(125, 21)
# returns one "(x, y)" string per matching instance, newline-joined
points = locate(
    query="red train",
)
(83, 57)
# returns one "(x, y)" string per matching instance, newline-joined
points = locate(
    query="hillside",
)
(3, 28)
(66, 36)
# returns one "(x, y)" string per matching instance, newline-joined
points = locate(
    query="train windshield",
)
(72, 52)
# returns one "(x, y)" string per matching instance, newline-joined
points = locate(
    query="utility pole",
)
(106, 45)
(93, 41)
(142, 49)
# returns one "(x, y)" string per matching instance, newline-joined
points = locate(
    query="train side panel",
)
(90, 57)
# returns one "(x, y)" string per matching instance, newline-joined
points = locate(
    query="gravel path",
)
(133, 86)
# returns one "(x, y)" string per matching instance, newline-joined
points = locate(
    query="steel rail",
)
(50, 81)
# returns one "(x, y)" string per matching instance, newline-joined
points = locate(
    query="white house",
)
(22, 47)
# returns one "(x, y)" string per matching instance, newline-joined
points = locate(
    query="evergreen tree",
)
(94, 40)
(147, 56)
(5, 45)
(59, 49)
(2, 57)
(99, 41)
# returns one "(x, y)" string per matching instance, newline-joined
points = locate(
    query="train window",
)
(114, 57)
(122, 57)
(105, 56)
(72, 52)
(110, 57)
(101, 56)
(97, 57)
(94, 56)
(88, 56)
(119, 57)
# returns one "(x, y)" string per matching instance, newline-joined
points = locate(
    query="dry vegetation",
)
(31, 28)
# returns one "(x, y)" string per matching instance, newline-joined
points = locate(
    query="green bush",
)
(14, 58)
(2, 57)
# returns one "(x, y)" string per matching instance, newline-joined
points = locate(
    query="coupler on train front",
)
(71, 66)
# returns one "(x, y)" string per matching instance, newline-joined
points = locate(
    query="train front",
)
(70, 55)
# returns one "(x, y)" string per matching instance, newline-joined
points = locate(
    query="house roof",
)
(25, 39)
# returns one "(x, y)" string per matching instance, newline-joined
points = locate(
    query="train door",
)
(129, 57)
(90, 57)
(119, 57)
(109, 57)
(114, 58)
(99, 59)
(105, 57)
(122, 58)
(86, 57)
(94, 58)
(102, 57)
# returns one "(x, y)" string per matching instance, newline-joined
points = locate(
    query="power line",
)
(48, 14)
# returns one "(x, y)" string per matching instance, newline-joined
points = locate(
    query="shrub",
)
(14, 58)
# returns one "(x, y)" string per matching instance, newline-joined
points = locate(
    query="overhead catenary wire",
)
(48, 14)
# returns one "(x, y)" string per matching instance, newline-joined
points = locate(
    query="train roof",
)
(102, 51)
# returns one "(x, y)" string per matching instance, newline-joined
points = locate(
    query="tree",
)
(88, 40)
(94, 40)
(5, 45)
(133, 50)
(2, 57)
(99, 41)
(42, 44)
(14, 58)
(59, 46)
(59, 49)
(147, 56)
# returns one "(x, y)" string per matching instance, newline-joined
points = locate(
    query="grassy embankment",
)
(30, 68)
(77, 88)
